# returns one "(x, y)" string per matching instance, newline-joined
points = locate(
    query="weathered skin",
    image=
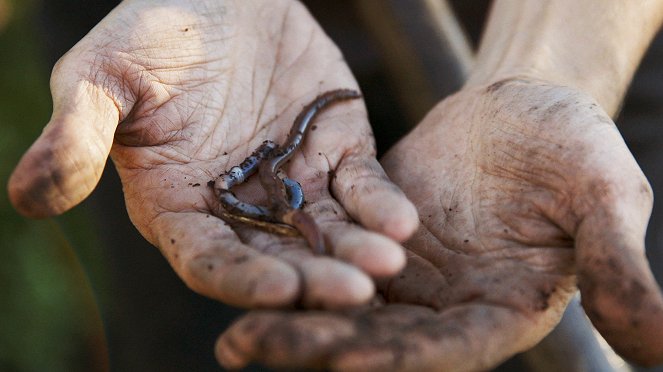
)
(511, 209)
(523, 188)
(178, 91)
(525, 201)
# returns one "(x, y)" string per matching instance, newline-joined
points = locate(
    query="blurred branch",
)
(574, 346)
(6, 11)
(425, 50)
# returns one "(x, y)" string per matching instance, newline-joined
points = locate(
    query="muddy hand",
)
(178, 92)
(533, 191)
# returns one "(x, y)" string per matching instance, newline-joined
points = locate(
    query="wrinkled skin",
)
(178, 92)
(523, 189)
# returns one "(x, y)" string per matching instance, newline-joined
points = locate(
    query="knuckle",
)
(612, 189)
(646, 192)
(605, 190)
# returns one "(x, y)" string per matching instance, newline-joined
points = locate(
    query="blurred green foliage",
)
(49, 320)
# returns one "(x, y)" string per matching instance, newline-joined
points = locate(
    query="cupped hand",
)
(525, 190)
(180, 91)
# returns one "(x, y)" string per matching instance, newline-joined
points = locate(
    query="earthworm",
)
(240, 173)
(276, 189)
(284, 195)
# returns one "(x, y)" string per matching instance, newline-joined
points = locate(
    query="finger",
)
(212, 261)
(65, 163)
(338, 282)
(331, 284)
(373, 253)
(325, 282)
(314, 334)
(619, 292)
(365, 191)
(396, 337)
(464, 338)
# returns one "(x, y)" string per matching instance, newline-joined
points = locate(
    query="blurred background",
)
(85, 292)
(49, 318)
(61, 276)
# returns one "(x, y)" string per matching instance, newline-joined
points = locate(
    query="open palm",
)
(524, 190)
(195, 87)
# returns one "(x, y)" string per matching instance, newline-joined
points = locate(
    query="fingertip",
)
(65, 163)
(228, 356)
(618, 291)
(365, 191)
(377, 255)
(240, 343)
(261, 281)
(331, 284)
(402, 225)
(277, 287)
(18, 190)
(390, 213)
(628, 313)
(38, 188)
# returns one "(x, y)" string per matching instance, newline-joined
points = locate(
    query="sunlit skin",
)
(524, 189)
(523, 204)
(176, 103)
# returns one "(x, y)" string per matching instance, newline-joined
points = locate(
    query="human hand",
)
(196, 86)
(524, 189)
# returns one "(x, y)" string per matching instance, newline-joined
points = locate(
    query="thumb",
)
(65, 163)
(619, 292)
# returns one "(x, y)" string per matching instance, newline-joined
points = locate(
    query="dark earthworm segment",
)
(285, 195)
